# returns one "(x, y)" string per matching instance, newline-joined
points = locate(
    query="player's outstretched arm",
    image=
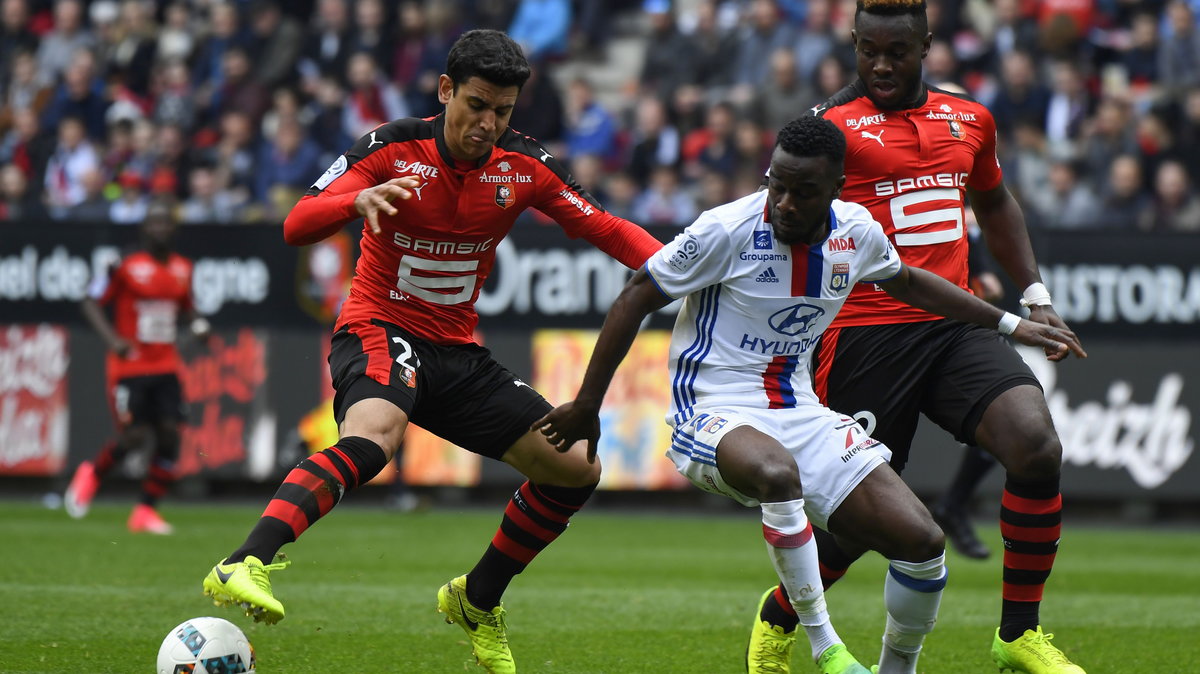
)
(934, 294)
(318, 216)
(579, 419)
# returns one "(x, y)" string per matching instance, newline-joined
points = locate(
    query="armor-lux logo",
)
(417, 167)
(839, 245)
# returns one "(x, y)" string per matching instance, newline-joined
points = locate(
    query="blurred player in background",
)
(763, 277)
(914, 152)
(437, 196)
(149, 292)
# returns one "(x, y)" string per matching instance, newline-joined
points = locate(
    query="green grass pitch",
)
(659, 592)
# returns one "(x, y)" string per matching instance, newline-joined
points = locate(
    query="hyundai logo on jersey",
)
(795, 319)
(762, 240)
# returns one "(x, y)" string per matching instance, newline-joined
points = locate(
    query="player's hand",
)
(1046, 315)
(1056, 342)
(375, 200)
(569, 423)
(122, 347)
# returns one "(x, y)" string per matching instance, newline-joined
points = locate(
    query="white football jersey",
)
(755, 307)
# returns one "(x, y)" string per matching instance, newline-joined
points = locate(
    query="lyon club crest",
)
(505, 195)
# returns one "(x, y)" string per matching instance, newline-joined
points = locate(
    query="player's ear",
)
(841, 182)
(446, 87)
(925, 44)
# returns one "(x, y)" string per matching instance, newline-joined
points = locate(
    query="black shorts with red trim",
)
(147, 399)
(455, 391)
(887, 375)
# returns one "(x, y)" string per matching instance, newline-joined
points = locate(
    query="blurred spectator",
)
(285, 104)
(1003, 27)
(764, 33)
(752, 145)
(176, 38)
(73, 157)
(15, 38)
(233, 156)
(58, 47)
(372, 99)
(620, 194)
(130, 207)
(590, 129)
(829, 79)
(1027, 161)
(785, 96)
(208, 202)
(94, 207)
(1141, 58)
(538, 111)
(277, 39)
(26, 147)
(814, 42)
(1067, 107)
(655, 142)
(117, 157)
(326, 48)
(712, 147)
(225, 33)
(1067, 203)
(588, 171)
(81, 95)
(175, 97)
(1179, 51)
(712, 190)
(663, 68)
(1155, 143)
(370, 33)
(1125, 202)
(172, 163)
(287, 163)
(941, 66)
(425, 40)
(664, 202)
(26, 90)
(326, 127)
(1176, 206)
(1108, 134)
(710, 50)
(1020, 96)
(542, 27)
(1062, 24)
(1189, 131)
(129, 47)
(17, 201)
(238, 90)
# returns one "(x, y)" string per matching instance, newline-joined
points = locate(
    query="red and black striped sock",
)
(1030, 523)
(310, 491)
(160, 475)
(108, 456)
(535, 516)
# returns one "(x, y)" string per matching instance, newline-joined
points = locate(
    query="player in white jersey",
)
(762, 277)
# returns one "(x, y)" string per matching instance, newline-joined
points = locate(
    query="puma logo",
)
(417, 190)
(518, 382)
(374, 141)
(877, 137)
(544, 157)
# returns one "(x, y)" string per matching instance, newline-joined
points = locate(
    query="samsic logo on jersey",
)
(505, 196)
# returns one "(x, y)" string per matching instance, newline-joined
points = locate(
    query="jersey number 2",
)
(423, 286)
(952, 217)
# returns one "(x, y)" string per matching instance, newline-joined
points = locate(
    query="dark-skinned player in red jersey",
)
(915, 154)
(437, 196)
(149, 293)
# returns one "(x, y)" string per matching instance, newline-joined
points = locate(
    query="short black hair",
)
(913, 8)
(490, 55)
(811, 136)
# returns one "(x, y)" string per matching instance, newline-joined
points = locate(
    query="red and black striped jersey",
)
(425, 271)
(911, 169)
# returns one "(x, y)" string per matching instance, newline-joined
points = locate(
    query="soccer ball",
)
(206, 646)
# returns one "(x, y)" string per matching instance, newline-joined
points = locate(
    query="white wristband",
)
(1008, 323)
(200, 326)
(1035, 295)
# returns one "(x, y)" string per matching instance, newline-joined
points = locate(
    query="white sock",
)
(794, 555)
(911, 593)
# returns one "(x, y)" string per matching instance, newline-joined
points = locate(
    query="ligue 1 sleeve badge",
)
(505, 195)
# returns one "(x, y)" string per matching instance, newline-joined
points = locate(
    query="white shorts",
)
(832, 451)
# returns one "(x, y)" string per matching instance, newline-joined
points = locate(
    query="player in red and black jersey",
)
(149, 293)
(437, 196)
(915, 154)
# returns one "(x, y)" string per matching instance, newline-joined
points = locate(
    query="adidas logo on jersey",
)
(768, 276)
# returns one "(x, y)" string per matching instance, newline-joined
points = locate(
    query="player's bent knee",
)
(770, 481)
(574, 472)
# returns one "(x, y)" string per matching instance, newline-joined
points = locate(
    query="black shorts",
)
(887, 375)
(149, 399)
(457, 392)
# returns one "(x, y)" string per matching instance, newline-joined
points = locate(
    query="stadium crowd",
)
(231, 109)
